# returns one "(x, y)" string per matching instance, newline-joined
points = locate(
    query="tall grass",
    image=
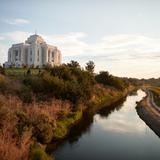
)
(21, 124)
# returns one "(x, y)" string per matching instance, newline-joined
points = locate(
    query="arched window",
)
(52, 56)
(38, 56)
(20, 55)
(30, 55)
(10, 56)
(16, 55)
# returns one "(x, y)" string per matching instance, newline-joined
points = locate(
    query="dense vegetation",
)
(140, 82)
(38, 106)
(64, 82)
(106, 79)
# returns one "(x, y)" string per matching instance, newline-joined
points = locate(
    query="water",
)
(115, 133)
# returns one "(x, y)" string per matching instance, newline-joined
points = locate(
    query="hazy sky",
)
(121, 36)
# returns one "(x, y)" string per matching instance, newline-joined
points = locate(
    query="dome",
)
(35, 39)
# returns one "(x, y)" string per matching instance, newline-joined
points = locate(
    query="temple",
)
(34, 52)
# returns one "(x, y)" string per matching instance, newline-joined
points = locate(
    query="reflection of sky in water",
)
(124, 120)
(120, 136)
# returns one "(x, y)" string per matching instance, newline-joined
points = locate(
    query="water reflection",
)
(125, 121)
(86, 123)
(113, 133)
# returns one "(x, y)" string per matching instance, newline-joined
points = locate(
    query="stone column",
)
(9, 55)
(12, 55)
(50, 56)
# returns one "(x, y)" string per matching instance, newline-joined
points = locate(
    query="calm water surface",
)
(115, 133)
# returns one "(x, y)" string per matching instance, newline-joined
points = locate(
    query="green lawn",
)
(19, 71)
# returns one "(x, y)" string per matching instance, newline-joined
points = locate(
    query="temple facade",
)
(34, 52)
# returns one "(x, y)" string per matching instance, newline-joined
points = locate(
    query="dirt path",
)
(151, 104)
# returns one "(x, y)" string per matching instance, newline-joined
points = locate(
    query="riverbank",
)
(108, 133)
(65, 127)
(148, 113)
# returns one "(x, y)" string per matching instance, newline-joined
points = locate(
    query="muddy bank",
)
(149, 116)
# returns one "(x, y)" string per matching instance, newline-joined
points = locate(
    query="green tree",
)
(106, 79)
(90, 66)
(73, 64)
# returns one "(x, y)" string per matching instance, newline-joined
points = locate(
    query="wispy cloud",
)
(3, 52)
(17, 21)
(1, 38)
(71, 43)
(16, 36)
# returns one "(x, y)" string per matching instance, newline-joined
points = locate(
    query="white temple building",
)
(34, 52)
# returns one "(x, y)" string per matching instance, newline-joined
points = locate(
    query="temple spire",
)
(35, 31)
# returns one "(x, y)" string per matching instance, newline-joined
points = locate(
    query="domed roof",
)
(35, 39)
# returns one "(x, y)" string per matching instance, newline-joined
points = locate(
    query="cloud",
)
(3, 53)
(72, 44)
(1, 38)
(10, 38)
(17, 21)
(136, 52)
(129, 45)
(16, 36)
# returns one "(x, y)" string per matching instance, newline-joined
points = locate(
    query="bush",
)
(2, 70)
(28, 72)
(43, 132)
(23, 122)
(25, 94)
(43, 128)
(38, 153)
(106, 79)
(3, 83)
(63, 125)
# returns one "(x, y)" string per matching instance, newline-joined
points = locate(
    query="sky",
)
(120, 36)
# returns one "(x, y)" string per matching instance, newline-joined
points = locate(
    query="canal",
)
(114, 133)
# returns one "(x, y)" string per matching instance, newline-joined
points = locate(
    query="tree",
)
(106, 79)
(103, 78)
(90, 66)
(74, 64)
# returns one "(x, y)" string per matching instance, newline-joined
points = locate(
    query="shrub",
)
(28, 72)
(43, 128)
(38, 153)
(23, 122)
(63, 125)
(2, 71)
(3, 83)
(25, 94)
(43, 132)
